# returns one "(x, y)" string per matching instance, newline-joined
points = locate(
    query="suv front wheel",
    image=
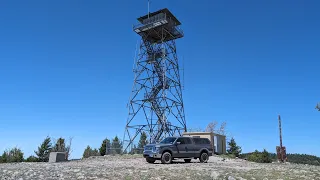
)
(204, 157)
(166, 158)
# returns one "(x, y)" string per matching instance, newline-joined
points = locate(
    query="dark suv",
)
(179, 147)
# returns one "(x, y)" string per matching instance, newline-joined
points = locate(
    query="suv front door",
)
(185, 148)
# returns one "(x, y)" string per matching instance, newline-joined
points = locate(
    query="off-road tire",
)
(204, 157)
(166, 158)
(150, 160)
(187, 160)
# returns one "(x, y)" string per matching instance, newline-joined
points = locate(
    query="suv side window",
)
(184, 140)
(205, 141)
(196, 140)
(181, 140)
(187, 141)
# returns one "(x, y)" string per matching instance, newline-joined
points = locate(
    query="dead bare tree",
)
(211, 126)
(68, 148)
(195, 129)
(222, 129)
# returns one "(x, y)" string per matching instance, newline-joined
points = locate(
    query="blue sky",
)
(66, 70)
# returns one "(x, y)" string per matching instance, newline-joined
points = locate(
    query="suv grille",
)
(148, 148)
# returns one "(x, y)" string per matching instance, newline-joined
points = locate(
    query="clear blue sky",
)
(66, 69)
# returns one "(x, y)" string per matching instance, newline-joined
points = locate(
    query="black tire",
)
(204, 157)
(187, 160)
(150, 160)
(166, 158)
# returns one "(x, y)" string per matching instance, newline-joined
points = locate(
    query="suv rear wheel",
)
(150, 160)
(166, 158)
(204, 157)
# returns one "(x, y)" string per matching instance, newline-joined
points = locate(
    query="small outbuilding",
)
(218, 141)
(57, 156)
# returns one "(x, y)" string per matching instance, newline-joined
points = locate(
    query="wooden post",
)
(280, 132)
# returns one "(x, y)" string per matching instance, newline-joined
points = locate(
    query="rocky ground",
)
(134, 167)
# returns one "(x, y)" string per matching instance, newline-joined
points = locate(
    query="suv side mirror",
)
(177, 143)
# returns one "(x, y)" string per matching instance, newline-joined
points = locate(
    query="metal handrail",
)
(150, 23)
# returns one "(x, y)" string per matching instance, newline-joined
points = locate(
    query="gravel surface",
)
(134, 167)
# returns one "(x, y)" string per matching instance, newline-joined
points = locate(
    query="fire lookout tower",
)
(156, 104)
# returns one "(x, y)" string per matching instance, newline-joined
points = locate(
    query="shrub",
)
(12, 155)
(260, 157)
(32, 159)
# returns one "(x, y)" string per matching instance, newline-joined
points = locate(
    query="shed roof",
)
(202, 133)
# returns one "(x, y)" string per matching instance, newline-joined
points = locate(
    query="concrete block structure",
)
(57, 157)
(218, 141)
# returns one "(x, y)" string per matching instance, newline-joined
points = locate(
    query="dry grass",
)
(134, 167)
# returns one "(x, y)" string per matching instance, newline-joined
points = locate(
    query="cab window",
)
(184, 140)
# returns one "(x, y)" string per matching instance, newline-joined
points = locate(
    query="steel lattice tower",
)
(156, 104)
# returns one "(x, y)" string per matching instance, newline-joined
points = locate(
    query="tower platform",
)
(159, 26)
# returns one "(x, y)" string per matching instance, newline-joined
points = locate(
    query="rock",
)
(231, 178)
(240, 178)
(214, 174)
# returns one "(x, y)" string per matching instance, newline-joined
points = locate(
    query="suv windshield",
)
(168, 140)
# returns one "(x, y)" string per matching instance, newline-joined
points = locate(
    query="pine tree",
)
(116, 146)
(105, 147)
(44, 150)
(86, 152)
(142, 142)
(61, 146)
(95, 152)
(234, 149)
(3, 158)
(90, 152)
(134, 150)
